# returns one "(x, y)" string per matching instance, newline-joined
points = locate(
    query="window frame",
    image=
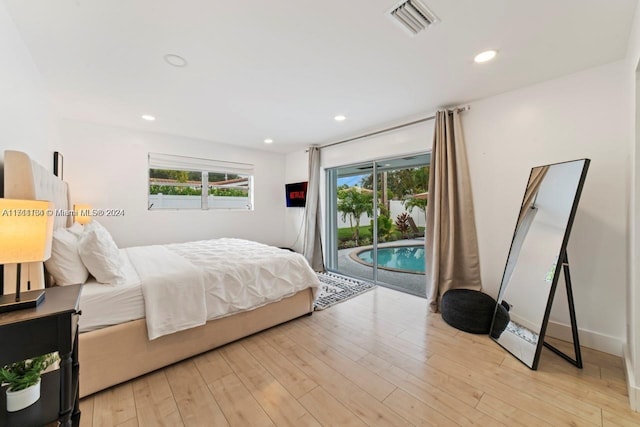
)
(170, 162)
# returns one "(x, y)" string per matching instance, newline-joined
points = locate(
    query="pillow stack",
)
(65, 264)
(77, 251)
(100, 254)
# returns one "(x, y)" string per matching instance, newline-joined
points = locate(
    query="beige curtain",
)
(535, 179)
(451, 243)
(312, 248)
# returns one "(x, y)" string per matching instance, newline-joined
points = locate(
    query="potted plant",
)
(23, 380)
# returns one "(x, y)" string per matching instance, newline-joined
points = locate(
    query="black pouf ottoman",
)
(472, 311)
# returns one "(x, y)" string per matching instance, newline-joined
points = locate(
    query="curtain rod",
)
(378, 132)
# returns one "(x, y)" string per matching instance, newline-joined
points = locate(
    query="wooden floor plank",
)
(212, 366)
(508, 414)
(237, 403)
(277, 402)
(293, 379)
(447, 404)
(86, 412)
(371, 339)
(398, 373)
(365, 406)
(132, 422)
(328, 410)
(381, 359)
(339, 343)
(194, 401)
(626, 419)
(416, 411)
(573, 404)
(572, 383)
(366, 379)
(114, 406)
(514, 396)
(155, 404)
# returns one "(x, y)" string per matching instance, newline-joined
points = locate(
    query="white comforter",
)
(172, 288)
(186, 284)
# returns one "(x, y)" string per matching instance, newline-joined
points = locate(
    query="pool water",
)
(409, 258)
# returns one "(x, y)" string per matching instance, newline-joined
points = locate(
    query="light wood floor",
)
(378, 359)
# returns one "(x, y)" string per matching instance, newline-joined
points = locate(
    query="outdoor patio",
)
(411, 283)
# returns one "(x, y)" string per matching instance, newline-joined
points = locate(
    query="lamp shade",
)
(26, 227)
(82, 214)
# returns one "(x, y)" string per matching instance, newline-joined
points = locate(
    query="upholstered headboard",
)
(25, 179)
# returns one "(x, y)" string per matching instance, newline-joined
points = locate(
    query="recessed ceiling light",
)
(148, 117)
(485, 56)
(340, 118)
(268, 141)
(175, 60)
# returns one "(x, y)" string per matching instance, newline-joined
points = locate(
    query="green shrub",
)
(402, 224)
(172, 190)
(228, 192)
(347, 244)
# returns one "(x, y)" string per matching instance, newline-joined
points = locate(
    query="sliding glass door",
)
(376, 217)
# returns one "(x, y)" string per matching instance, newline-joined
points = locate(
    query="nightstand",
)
(51, 326)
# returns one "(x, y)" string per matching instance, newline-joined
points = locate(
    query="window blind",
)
(173, 162)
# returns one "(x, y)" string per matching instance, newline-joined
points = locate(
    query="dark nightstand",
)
(52, 326)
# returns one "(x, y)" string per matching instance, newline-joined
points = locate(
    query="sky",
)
(351, 180)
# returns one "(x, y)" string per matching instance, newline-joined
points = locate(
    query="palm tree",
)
(352, 203)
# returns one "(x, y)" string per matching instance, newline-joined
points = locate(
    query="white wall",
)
(632, 106)
(26, 121)
(410, 140)
(297, 170)
(106, 167)
(564, 119)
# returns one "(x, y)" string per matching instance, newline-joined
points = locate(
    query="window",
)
(177, 182)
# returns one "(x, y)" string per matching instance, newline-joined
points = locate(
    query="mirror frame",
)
(562, 262)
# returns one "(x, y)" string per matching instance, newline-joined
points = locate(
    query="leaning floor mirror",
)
(538, 249)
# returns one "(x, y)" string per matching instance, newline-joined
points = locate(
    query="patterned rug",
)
(522, 332)
(336, 288)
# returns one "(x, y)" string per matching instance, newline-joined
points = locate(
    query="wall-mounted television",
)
(296, 194)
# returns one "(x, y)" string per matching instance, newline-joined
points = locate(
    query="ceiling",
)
(282, 69)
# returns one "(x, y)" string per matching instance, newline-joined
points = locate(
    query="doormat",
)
(336, 288)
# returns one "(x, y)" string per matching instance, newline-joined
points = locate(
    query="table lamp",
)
(26, 228)
(82, 214)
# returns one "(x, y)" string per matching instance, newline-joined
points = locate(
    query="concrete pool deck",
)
(405, 282)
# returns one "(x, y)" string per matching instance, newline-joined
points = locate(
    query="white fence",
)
(395, 207)
(162, 201)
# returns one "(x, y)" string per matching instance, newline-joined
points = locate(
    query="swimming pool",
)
(403, 258)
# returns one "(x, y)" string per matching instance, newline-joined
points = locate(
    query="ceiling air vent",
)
(413, 16)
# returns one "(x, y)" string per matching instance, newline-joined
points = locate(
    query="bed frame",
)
(118, 353)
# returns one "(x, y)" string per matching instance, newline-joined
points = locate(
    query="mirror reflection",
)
(531, 271)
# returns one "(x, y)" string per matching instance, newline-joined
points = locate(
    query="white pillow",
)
(95, 225)
(65, 264)
(76, 229)
(101, 256)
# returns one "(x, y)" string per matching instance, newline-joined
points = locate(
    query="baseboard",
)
(590, 339)
(632, 388)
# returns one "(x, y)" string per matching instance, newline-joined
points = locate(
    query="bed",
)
(236, 288)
